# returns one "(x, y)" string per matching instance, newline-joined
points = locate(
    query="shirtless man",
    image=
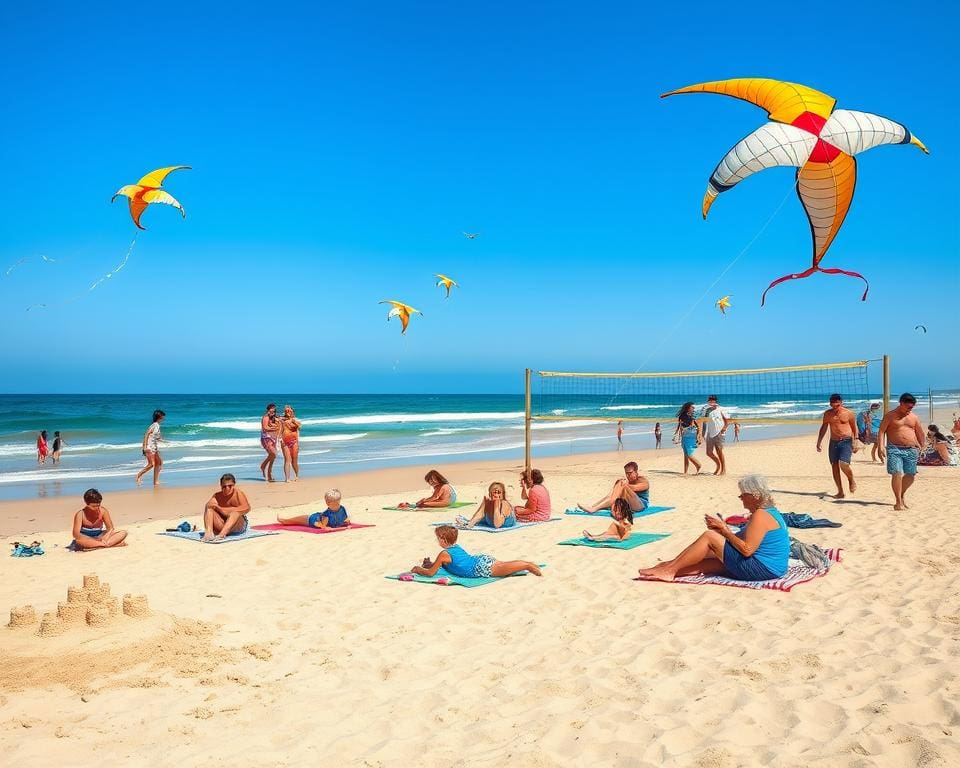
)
(842, 423)
(904, 437)
(635, 490)
(226, 512)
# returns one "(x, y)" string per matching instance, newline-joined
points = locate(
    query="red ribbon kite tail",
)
(808, 272)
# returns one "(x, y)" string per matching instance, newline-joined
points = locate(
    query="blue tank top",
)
(774, 549)
(461, 564)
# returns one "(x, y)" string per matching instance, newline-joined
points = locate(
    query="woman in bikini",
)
(495, 511)
(290, 438)
(269, 436)
(93, 526)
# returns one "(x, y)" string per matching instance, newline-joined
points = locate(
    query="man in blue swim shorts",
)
(899, 440)
(842, 423)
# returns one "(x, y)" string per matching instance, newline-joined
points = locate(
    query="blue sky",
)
(338, 151)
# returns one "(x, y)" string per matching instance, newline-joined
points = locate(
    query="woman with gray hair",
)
(757, 552)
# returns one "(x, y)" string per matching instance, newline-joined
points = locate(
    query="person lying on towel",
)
(758, 552)
(453, 559)
(334, 516)
(621, 526)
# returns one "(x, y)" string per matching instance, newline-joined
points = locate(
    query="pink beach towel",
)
(797, 573)
(307, 528)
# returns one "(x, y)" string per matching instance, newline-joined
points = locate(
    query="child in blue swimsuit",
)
(453, 559)
(334, 516)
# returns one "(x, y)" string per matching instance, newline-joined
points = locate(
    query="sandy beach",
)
(294, 649)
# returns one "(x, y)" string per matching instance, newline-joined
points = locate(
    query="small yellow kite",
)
(447, 283)
(724, 304)
(147, 191)
(403, 311)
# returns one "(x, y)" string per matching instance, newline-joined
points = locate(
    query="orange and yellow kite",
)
(447, 283)
(723, 305)
(403, 311)
(147, 191)
(806, 132)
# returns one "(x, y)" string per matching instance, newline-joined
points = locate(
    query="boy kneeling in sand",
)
(334, 516)
(454, 560)
(93, 526)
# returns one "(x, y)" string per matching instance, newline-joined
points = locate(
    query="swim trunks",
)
(841, 450)
(902, 459)
(715, 442)
(484, 567)
(241, 527)
(268, 443)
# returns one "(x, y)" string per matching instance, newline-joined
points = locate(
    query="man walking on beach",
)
(715, 423)
(904, 437)
(842, 424)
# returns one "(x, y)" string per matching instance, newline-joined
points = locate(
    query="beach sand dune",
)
(294, 649)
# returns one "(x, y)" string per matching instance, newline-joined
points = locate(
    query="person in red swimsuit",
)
(42, 448)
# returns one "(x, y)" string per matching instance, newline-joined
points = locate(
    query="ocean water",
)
(211, 434)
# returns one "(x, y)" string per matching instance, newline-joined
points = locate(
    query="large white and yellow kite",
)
(804, 131)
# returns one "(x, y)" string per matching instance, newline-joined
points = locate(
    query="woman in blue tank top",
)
(757, 552)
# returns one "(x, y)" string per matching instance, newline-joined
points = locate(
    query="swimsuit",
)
(94, 530)
(466, 565)
(335, 518)
(902, 459)
(269, 442)
(840, 450)
(508, 522)
(42, 447)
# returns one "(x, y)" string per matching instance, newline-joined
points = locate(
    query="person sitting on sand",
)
(621, 526)
(537, 508)
(443, 494)
(494, 511)
(93, 526)
(453, 559)
(634, 489)
(757, 552)
(226, 512)
(939, 450)
(334, 516)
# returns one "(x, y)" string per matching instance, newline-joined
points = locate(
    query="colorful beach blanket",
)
(461, 581)
(414, 508)
(487, 529)
(797, 573)
(250, 533)
(606, 512)
(633, 540)
(308, 528)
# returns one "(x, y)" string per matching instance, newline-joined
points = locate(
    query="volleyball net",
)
(795, 394)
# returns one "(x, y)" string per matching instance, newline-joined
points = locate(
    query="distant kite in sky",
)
(147, 191)
(723, 305)
(806, 132)
(25, 259)
(920, 328)
(403, 311)
(471, 235)
(447, 283)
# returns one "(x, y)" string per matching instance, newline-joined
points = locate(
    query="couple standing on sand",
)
(286, 432)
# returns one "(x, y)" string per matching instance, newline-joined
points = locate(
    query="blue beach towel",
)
(633, 540)
(461, 581)
(606, 512)
(26, 550)
(487, 529)
(198, 535)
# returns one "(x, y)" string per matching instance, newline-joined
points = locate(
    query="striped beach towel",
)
(797, 573)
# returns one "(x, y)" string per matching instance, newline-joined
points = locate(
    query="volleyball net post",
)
(795, 394)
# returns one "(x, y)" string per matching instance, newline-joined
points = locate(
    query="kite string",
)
(709, 288)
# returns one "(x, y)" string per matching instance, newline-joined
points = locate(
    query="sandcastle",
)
(92, 603)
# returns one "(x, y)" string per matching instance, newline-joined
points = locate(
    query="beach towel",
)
(415, 508)
(633, 540)
(27, 550)
(797, 573)
(487, 529)
(606, 512)
(445, 579)
(197, 536)
(307, 528)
